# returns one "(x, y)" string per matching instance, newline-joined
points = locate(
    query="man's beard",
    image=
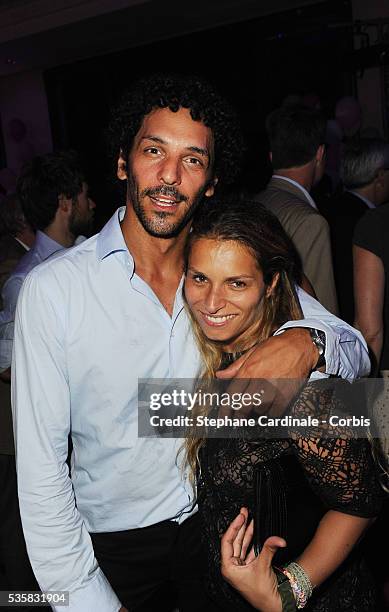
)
(159, 226)
(81, 226)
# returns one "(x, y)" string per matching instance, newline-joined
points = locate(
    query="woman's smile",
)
(224, 289)
(217, 320)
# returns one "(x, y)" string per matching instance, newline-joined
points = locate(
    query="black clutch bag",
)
(285, 505)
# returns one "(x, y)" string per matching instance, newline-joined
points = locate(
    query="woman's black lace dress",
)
(319, 474)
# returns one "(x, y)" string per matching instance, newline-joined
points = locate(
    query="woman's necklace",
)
(229, 358)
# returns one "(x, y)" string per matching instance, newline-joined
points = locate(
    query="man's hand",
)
(277, 369)
(291, 354)
(252, 576)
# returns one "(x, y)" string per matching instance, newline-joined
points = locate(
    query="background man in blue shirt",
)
(92, 322)
(55, 203)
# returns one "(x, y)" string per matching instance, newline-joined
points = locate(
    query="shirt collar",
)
(45, 246)
(296, 184)
(110, 240)
(363, 198)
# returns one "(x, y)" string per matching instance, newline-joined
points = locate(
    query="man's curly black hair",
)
(174, 92)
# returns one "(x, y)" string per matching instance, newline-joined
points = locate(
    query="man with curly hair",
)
(101, 317)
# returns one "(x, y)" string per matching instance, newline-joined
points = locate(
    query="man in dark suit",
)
(365, 175)
(16, 238)
(296, 136)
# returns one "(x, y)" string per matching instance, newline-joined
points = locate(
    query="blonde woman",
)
(240, 287)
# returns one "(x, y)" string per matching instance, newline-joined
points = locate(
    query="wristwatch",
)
(285, 590)
(319, 340)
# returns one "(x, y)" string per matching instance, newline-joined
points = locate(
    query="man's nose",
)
(170, 171)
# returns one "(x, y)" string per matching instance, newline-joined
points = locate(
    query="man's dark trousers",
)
(156, 568)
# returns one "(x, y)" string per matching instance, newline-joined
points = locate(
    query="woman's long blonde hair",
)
(252, 226)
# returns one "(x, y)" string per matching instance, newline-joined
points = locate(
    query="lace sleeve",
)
(338, 465)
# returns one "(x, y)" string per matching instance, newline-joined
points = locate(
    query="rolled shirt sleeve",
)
(346, 352)
(10, 295)
(58, 543)
(6, 344)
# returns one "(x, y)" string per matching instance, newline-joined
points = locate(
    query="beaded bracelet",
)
(300, 583)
